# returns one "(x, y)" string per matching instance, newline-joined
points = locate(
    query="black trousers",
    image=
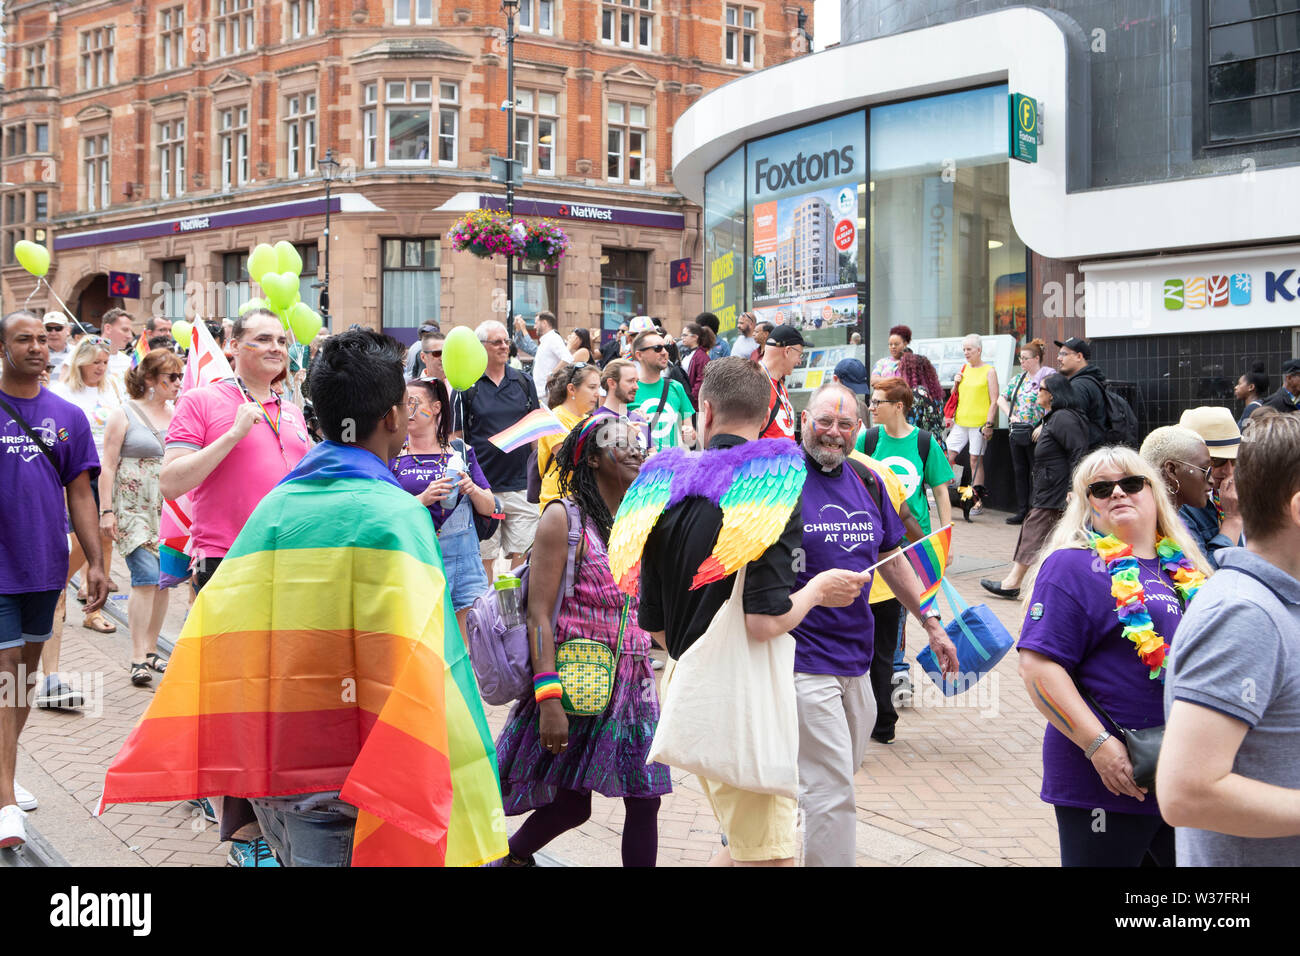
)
(1022, 463)
(1107, 838)
(886, 614)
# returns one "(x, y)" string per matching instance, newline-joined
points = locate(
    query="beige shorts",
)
(515, 533)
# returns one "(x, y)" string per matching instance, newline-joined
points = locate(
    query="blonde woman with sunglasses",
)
(1120, 544)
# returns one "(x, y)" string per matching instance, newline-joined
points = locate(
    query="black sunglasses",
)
(653, 348)
(175, 376)
(1129, 484)
(436, 353)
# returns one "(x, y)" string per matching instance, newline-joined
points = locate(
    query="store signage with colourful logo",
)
(679, 273)
(124, 285)
(1197, 292)
(1024, 128)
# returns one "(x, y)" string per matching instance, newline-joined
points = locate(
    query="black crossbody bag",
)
(1143, 745)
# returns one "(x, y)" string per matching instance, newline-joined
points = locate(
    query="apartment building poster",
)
(806, 191)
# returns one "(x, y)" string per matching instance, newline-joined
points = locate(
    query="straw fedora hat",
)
(1215, 424)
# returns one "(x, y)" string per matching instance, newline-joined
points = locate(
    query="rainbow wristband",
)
(547, 686)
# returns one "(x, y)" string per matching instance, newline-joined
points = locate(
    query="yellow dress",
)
(973, 399)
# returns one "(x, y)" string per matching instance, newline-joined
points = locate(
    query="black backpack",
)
(1121, 422)
(872, 438)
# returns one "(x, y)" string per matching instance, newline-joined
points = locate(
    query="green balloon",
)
(261, 261)
(32, 256)
(252, 304)
(304, 322)
(279, 289)
(182, 333)
(287, 258)
(464, 358)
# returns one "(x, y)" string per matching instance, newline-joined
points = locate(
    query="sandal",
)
(155, 663)
(96, 622)
(140, 675)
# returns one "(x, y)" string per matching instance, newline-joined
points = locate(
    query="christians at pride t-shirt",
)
(1072, 620)
(224, 500)
(33, 525)
(842, 528)
(415, 472)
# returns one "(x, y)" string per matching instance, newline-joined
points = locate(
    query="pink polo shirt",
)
(225, 499)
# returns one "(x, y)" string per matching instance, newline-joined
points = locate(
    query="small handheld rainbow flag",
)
(928, 558)
(140, 351)
(538, 423)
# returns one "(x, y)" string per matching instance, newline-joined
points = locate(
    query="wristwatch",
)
(1101, 739)
(932, 614)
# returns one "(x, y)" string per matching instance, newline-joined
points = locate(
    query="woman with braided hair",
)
(551, 761)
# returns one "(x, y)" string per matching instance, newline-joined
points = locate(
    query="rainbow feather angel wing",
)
(642, 505)
(765, 480)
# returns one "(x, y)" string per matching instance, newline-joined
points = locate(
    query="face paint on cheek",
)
(423, 414)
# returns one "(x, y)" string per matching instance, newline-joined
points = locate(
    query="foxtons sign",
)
(802, 170)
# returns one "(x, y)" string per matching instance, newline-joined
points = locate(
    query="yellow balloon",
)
(261, 261)
(33, 257)
(287, 258)
(182, 333)
(464, 358)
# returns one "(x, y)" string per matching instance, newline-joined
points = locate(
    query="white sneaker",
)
(26, 799)
(12, 830)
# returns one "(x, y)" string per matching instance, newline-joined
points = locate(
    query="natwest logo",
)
(189, 225)
(574, 211)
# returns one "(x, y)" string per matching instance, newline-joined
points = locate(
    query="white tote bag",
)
(729, 712)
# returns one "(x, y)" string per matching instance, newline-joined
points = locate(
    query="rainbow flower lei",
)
(1130, 597)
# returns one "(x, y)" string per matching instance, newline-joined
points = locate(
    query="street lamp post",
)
(510, 8)
(329, 167)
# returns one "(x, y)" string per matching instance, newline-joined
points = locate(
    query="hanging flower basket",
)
(485, 234)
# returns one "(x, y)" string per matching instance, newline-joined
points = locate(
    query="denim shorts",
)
(143, 565)
(28, 618)
(313, 837)
(463, 566)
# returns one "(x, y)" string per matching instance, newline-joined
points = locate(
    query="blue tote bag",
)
(981, 641)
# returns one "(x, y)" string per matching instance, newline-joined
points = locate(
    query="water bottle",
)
(455, 470)
(510, 597)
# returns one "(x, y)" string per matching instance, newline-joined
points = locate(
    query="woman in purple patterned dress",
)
(549, 761)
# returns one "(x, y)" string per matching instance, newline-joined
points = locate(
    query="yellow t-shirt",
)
(973, 397)
(546, 448)
(897, 495)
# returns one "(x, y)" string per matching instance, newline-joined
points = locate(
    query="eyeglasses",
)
(876, 402)
(843, 424)
(434, 353)
(1129, 484)
(1203, 472)
(497, 343)
(653, 348)
(798, 354)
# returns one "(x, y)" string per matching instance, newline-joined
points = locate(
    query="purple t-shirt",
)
(414, 472)
(33, 522)
(1072, 620)
(842, 528)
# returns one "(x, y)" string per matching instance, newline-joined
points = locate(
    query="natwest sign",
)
(618, 215)
(575, 211)
(189, 225)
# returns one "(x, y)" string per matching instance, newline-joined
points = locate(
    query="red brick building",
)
(164, 138)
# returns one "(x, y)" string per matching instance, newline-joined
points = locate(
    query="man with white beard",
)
(849, 523)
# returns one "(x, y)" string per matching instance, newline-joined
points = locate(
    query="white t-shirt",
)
(118, 365)
(96, 403)
(550, 353)
(744, 346)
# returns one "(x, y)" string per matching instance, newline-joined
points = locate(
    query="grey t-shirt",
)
(1238, 652)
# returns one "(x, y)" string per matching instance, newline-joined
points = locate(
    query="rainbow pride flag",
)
(538, 423)
(928, 558)
(141, 349)
(324, 655)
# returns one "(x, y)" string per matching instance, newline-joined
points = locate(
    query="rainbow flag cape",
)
(928, 558)
(140, 351)
(324, 655)
(538, 423)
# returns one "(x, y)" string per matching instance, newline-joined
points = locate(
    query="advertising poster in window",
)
(805, 189)
(724, 240)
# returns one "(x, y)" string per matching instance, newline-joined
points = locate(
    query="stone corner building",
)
(164, 139)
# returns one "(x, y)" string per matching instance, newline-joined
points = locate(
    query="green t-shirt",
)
(901, 456)
(677, 409)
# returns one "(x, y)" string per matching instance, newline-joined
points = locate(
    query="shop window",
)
(944, 251)
(1254, 71)
(622, 286)
(307, 278)
(537, 15)
(535, 289)
(236, 27)
(171, 38)
(97, 68)
(724, 241)
(300, 135)
(627, 23)
(95, 168)
(173, 290)
(626, 138)
(233, 138)
(404, 10)
(741, 36)
(411, 282)
(34, 71)
(171, 158)
(536, 126)
(302, 19)
(236, 285)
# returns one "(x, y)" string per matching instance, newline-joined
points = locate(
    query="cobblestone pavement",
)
(958, 787)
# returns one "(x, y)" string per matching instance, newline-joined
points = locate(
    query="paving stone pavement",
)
(958, 787)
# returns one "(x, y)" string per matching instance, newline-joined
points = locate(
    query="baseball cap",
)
(1076, 344)
(784, 336)
(55, 318)
(853, 374)
(1291, 367)
(1217, 428)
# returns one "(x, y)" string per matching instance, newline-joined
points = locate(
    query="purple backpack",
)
(499, 654)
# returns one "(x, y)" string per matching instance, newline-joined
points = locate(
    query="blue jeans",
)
(319, 837)
(899, 663)
(458, 542)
